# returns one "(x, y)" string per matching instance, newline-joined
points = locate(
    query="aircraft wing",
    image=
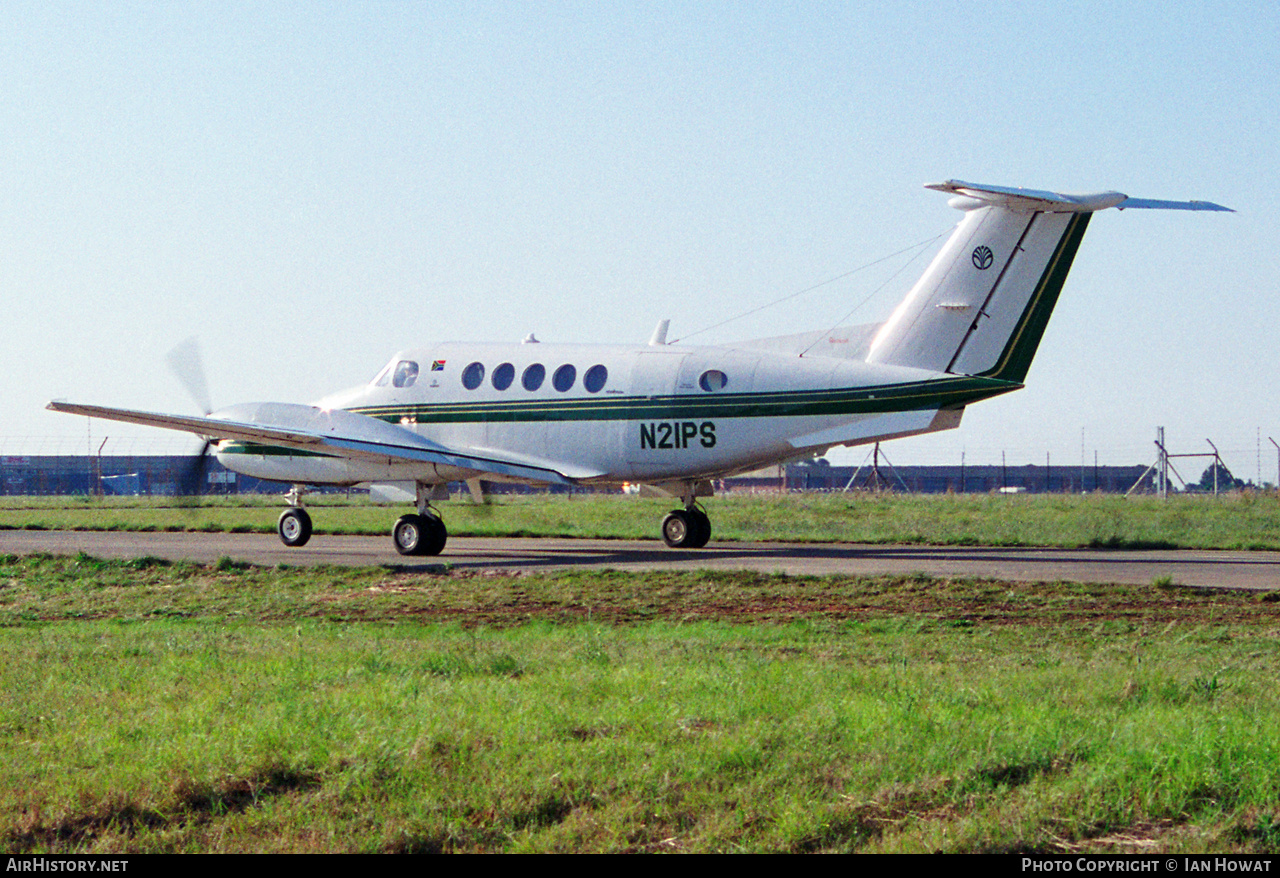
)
(336, 432)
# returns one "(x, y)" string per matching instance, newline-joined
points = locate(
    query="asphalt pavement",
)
(1247, 570)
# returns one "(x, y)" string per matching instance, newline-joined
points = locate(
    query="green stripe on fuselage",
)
(913, 396)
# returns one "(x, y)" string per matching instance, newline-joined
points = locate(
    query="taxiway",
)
(1216, 569)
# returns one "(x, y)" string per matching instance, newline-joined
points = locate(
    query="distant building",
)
(819, 476)
(156, 475)
(167, 475)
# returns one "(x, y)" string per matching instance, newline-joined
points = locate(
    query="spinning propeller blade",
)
(188, 367)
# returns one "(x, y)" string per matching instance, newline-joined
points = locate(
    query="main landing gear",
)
(687, 528)
(420, 533)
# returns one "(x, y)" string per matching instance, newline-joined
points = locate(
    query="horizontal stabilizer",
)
(973, 195)
(1154, 204)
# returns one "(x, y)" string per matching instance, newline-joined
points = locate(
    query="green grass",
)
(1233, 521)
(156, 706)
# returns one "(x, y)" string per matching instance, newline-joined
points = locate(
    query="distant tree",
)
(1226, 481)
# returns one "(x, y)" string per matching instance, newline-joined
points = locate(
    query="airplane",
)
(672, 417)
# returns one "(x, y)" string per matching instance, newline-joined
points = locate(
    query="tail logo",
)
(983, 257)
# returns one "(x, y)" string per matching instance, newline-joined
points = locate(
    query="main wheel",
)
(678, 529)
(419, 535)
(702, 530)
(294, 526)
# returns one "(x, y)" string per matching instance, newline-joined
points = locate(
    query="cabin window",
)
(713, 381)
(563, 379)
(595, 378)
(503, 376)
(534, 376)
(406, 373)
(473, 376)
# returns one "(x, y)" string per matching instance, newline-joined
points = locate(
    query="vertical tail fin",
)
(982, 305)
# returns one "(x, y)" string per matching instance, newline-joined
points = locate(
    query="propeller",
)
(188, 367)
(186, 364)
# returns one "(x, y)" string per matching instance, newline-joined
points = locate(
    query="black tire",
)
(437, 535)
(407, 534)
(416, 534)
(679, 529)
(702, 532)
(294, 526)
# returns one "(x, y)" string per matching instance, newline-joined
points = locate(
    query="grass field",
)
(1234, 521)
(150, 706)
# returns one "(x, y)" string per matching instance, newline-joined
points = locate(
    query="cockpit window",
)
(405, 374)
(381, 379)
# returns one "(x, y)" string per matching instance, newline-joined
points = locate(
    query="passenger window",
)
(534, 376)
(713, 381)
(563, 379)
(595, 378)
(473, 376)
(406, 373)
(503, 376)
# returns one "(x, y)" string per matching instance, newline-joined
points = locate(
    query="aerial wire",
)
(920, 244)
(872, 295)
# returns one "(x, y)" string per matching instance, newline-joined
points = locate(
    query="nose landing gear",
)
(294, 526)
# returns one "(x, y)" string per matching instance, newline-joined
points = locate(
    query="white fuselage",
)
(611, 414)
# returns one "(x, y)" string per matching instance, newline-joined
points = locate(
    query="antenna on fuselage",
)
(530, 339)
(659, 336)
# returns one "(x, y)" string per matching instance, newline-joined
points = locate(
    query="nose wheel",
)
(294, 526)
(686, 528)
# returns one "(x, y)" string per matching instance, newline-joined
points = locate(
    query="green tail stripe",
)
(1016, 358)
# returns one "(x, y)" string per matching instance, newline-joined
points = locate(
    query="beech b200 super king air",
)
(675, 417)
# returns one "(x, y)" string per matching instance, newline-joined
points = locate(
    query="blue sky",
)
(308, 187)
